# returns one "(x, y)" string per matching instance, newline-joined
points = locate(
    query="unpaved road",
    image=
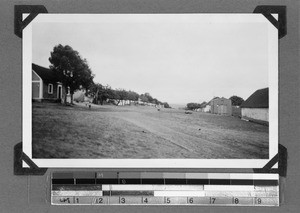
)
(143, 132)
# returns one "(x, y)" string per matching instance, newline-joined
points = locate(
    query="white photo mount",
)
(151, 163)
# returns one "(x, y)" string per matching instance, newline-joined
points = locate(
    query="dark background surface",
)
(31, 193)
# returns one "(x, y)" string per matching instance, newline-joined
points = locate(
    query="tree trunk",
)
(71, 98)
(96, 96)
(65, 97)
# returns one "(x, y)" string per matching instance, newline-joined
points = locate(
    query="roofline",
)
(37, 75)
(254, 107)
(257, 107)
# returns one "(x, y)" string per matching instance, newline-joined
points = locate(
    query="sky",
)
(178, 62)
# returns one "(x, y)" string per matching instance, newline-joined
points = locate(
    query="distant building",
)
(45, 85)
(207, 107)
(256, 107)
(221, 106)
(236, 111)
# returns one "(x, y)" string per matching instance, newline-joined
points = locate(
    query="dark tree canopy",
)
(193, 106)
(144, 98)
(73, 71)
(100, 93)
(133, 96)
(123, 94)
(166, 105)
(236, 100)
(203, 104)
(149, 97)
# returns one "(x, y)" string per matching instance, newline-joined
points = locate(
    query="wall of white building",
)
(256, 113)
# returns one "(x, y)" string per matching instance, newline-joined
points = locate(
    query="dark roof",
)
(45, 73)
(259, 99)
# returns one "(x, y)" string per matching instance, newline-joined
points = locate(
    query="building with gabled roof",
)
(45, 85)
(256, 107)
(221, 106)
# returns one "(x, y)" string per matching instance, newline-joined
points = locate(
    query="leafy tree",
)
(73, 71)
(133, 96)
(143, 98)
(102, 93)
(155, 101)
(203, 104)
(93, 90)
(99, 92)
(121, 95)
(193, 106)
(236, 100)
(166, 105)
(149, 97)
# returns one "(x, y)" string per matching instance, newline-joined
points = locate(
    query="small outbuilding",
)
(256, 107)
(221, 106)
(206, 108)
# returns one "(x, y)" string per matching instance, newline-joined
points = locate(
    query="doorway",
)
(59, 91)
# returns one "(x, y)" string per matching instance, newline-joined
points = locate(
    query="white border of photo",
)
(150, 163)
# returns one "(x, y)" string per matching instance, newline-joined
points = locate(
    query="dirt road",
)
(143, 132)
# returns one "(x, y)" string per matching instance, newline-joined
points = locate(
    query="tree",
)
(133, 96)
(203, 104)
(93, 91)
(166, 105)
(236, 100)
(143, 98)
(155, 101)
(121, 95)
(149, 97)
(73, 71)
(101, 93)
(193, 106)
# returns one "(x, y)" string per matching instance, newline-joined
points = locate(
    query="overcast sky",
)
(176, 62)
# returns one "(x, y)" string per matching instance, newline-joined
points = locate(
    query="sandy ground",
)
(142, 132)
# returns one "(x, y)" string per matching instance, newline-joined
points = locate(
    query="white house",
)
(256, 107)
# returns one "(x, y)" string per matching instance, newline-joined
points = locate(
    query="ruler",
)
(156, 188)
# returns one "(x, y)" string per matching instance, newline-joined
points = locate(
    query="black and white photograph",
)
(149, 106)
(150, 90)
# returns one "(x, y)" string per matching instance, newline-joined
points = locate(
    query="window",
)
(50, 88)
